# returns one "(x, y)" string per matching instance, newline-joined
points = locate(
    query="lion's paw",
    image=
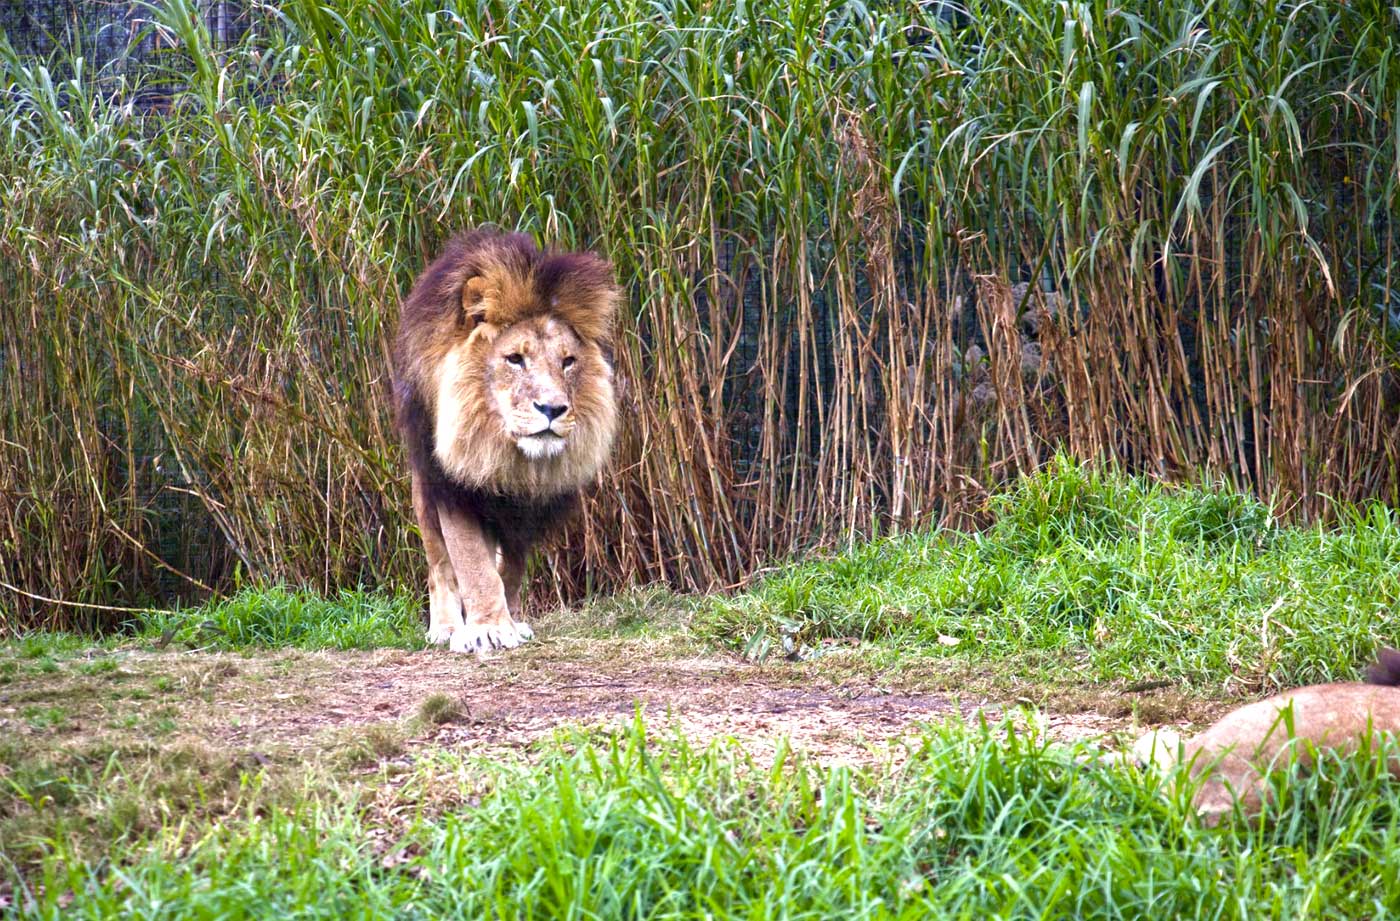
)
(483, 637)
(524, 630)
(440, 633)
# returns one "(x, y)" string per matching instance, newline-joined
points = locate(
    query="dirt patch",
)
(505, 704)
(516, 699)
(290, 706)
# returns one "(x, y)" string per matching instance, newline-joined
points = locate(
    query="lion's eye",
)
(568, 362)
(515, 358)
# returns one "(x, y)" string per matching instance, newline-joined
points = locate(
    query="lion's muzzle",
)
(550, 434)
(542, 445)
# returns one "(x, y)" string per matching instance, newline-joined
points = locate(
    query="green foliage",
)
(50, 645)
(975, 823)
(819, 211)
(277, 617)
(1117, 574)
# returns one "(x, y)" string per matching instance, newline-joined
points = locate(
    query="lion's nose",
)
(552, 411)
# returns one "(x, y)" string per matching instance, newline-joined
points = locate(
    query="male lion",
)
(504, 398)
(1234, 754)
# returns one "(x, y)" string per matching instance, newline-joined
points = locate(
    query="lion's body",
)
(1233, 754)
(503, 396)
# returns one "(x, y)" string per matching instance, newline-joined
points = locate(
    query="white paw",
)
(481, 638)
(439, 633)
(524, 630)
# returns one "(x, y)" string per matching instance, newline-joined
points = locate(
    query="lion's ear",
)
(483, 334)
(474, 302)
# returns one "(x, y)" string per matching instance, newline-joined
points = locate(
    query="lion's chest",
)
(518, 521)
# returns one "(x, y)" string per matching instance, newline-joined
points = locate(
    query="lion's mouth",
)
(541, 445)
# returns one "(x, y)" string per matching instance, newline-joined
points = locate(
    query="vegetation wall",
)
(880, 258)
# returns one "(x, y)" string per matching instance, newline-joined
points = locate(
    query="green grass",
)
(280, 617)
(975, 823)
(276, 616)
(1102, 576)
(1081, 574)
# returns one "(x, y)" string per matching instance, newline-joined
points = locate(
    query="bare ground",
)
(703, 697)
(836, 708)
(103, 742)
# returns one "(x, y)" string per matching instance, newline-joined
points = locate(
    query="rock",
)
(1030, 360)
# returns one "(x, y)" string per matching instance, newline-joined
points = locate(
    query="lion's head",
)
(505, 345)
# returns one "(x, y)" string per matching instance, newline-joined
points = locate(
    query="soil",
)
(291, 704)
(703, 698)
(512, 700)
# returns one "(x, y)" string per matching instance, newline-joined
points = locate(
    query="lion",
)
(1232, 757)
(503, 396)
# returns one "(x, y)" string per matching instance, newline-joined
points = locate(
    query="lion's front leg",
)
(512, 569)
(486, 613)
(444, 605)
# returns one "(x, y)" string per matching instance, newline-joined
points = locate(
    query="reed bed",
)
(880, 260)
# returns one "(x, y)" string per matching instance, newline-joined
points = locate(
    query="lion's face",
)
(533, 369)
(527, 409)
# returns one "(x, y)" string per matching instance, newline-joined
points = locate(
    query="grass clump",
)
(980, 822)
(276, 616)
(1108, 576)
(440, 708)
(364, 746)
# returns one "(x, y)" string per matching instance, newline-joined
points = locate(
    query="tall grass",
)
(878, 263)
